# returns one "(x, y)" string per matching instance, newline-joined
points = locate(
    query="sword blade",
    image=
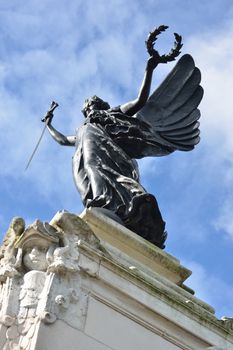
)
(37, 145)
(46, 119)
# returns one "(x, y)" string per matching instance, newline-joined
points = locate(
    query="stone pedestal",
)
(88, 283)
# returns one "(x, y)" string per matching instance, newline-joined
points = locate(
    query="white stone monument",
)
(88, 283)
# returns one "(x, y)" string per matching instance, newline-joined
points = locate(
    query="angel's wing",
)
(171, 111)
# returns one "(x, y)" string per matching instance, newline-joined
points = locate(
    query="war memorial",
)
(102, 279)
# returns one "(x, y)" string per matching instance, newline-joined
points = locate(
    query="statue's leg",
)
(98, 186)
(145, 219)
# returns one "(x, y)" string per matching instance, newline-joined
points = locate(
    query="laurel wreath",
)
(175, 51)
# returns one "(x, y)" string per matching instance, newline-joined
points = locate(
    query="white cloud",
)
(214, 55)
(225, 220)
(68, 65)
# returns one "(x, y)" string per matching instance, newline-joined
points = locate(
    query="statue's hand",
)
(49, 115)
(153, 61)
(47, 118)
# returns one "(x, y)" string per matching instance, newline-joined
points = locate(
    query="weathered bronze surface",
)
(104, 167)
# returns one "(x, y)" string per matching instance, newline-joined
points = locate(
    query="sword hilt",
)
(48, 115)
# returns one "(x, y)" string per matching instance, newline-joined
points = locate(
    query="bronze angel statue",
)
(106, 145)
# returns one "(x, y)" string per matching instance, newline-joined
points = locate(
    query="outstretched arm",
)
(155, 58)
(56, 135)
(134, 106)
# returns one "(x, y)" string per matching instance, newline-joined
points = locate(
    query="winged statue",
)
(110, 140)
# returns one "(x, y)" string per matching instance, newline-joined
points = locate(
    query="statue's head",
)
(35, 258)
(36, 245)
(18, 225)
(94, 103)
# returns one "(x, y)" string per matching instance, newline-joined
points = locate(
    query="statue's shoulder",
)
(116, 109)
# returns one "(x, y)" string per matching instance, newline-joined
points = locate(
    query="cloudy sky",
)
(69, 50)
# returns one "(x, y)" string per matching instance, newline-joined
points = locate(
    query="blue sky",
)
(69, 50)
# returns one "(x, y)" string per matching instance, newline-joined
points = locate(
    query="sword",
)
(45, 120)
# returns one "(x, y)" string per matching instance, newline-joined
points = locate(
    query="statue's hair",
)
(99, 104)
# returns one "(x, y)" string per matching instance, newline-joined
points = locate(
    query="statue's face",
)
(18, 225)
(89, 106)
(35, 259)
(94, 103)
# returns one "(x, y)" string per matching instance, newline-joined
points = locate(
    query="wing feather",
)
(188, 120)
(183, 136)
(184, 110)
(187, 90)
(175, 80)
